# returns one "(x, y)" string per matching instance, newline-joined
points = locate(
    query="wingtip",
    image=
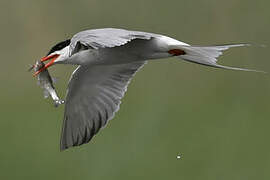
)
(63, 148)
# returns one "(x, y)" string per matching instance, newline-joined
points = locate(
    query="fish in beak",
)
(45, 81)
(52, 58)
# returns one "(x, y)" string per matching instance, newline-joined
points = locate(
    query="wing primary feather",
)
(93, 96)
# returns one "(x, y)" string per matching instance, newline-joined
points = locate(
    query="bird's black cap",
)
(59, 46)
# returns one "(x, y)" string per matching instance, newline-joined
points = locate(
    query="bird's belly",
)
(117, 56)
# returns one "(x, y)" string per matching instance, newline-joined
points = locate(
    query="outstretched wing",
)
(108, 37)
(93, 96)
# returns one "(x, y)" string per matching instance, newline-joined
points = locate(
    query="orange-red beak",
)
(46, 58)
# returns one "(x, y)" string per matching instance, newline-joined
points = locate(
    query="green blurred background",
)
(216, 120)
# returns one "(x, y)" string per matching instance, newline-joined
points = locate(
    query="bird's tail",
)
(207, 55)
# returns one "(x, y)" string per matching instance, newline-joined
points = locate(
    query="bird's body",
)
(130, 49)
(108, 59)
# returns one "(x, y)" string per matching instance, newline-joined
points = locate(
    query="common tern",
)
(107, 60)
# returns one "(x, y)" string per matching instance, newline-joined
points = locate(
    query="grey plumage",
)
(93, 96)
(108, 59)
(107, 38)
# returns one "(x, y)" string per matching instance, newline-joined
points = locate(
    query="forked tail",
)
(207, 55)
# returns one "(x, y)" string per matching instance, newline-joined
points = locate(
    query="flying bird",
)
(107, 60)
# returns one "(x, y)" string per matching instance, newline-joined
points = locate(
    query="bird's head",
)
(58, 54)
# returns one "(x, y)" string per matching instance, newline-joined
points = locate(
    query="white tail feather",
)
(207, 55)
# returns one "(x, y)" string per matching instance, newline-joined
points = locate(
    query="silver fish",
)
(45, 81)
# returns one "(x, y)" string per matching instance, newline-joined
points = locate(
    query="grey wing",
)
(108, 37)
(93, 96)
